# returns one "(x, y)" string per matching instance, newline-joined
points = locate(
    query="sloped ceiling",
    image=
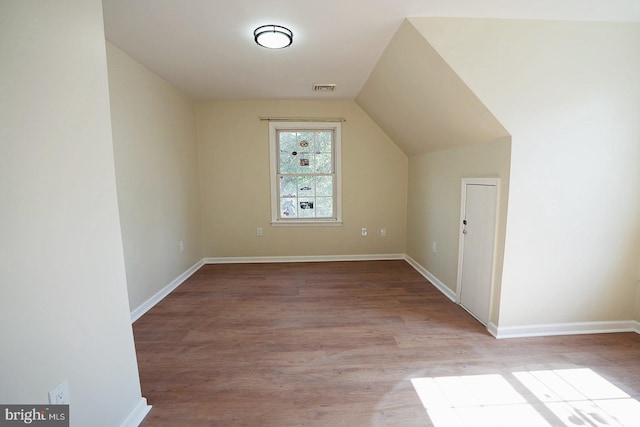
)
(420, 102)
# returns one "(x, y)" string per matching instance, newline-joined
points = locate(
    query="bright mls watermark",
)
(34, 415)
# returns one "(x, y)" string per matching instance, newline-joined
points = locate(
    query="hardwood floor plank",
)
(334, 344)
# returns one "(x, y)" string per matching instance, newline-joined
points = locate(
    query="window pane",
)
(322, 163)
(288, 151)
(306, 186)
(307, 208)
(303, 161)
(323, 152)
(324, 207)
(288, 207)
(288, 186)
(306, 140)
(287, 140)
(303, 164)
(324, 186)
(288, 163)
(323, 142)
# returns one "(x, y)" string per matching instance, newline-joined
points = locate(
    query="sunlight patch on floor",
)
(549, 398)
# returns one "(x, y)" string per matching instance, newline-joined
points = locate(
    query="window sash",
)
(314, 197)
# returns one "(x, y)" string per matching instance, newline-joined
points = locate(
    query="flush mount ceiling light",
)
(273, 36)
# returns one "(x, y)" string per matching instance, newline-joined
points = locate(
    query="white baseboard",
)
(148, 304)
(564, 329)
(137, 414)
(318, 258)
(534, 330)
(493, 329)
(431, 278)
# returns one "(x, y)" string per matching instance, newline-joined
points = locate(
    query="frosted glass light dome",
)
(273, 36)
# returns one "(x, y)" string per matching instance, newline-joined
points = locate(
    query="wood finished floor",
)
(333, 344)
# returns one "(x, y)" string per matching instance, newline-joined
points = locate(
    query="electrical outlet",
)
(181, 245)
(383, 232)
(259, 231)
(59, 395)
(364, 231)
(434, 247)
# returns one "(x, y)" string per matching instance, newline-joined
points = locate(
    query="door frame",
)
(492, 181)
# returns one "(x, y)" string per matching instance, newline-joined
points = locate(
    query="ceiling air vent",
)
(323, 87)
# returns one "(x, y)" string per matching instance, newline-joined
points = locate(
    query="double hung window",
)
(305, 173)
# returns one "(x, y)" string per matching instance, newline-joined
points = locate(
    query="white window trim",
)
(274, 126)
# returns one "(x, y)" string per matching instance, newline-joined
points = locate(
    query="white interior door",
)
(477, 240)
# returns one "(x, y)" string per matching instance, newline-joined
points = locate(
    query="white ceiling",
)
(206, 47)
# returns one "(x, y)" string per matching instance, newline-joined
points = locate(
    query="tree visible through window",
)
(305, 172)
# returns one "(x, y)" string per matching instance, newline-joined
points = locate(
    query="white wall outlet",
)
(181, 245)
(259, 232)
(383, 232)
(59, 395)
(364, 231)
(434, 247)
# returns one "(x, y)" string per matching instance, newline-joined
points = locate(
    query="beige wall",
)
(434, 201)
(234, 171)
(569, 95)
(64, 311)
(637, 316)
(156, 159)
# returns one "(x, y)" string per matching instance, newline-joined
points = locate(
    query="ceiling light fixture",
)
(273, 36)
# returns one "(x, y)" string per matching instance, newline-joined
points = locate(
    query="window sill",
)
(303, 223)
